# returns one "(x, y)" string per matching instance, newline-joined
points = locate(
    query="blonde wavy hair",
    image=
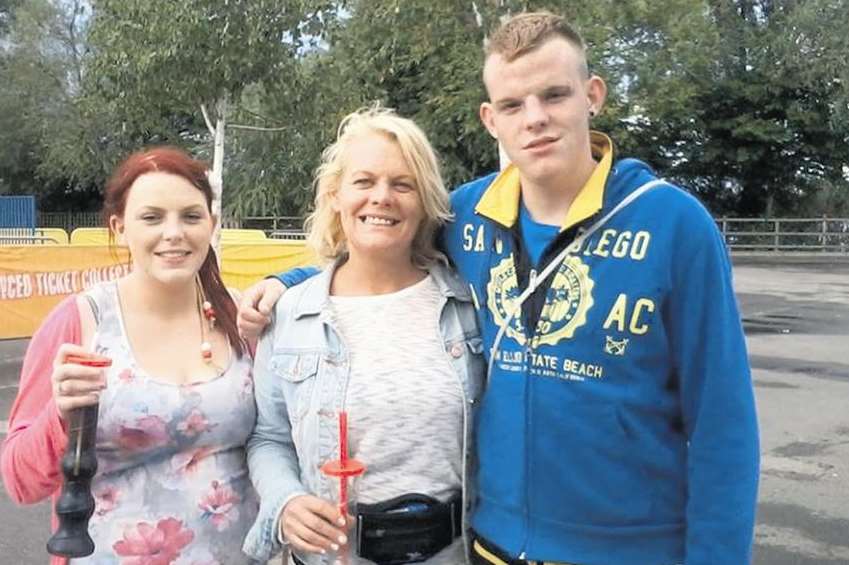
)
(324, 228)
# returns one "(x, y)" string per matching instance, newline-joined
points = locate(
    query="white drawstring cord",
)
(573, 247)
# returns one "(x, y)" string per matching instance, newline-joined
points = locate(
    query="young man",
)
(618, 427)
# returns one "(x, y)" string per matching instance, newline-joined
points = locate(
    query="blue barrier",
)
(17, 215)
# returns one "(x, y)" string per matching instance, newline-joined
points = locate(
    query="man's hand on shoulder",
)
(256, 305)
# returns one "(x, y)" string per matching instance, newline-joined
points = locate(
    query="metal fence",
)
(35, 237)
(741, 234)
(69, 221)
(276, 227)
(268, 224)
(786, 234)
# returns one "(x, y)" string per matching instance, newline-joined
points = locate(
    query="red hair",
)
(176, 162)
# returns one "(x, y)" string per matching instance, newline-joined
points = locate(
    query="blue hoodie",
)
(621, 430)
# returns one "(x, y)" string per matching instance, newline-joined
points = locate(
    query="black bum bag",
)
(407, 529)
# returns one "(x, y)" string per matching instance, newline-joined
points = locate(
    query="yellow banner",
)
(35, 278)
(242, 264)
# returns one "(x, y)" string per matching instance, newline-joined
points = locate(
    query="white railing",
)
(26, 236)
(741, 234)
(786, 234)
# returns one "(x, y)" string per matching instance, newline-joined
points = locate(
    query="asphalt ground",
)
(796, 314)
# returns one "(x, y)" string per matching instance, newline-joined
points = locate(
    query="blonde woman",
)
(387, 333)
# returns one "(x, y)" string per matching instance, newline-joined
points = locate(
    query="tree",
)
(158, 64)
(424, 58)
(7, 12)
(746, 102)
(273, 171)
(41, 65)
(753, 124)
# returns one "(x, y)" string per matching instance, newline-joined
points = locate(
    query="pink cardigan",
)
(37, 438)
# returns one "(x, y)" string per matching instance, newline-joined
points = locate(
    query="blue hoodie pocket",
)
(586, 469)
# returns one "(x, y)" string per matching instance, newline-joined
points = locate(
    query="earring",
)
(592, 112)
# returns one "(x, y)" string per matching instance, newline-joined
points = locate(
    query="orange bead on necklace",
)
(207, 323)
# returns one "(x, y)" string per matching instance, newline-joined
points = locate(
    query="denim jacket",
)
(301, 374)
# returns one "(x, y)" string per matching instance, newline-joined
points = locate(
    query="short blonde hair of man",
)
(324, 228)
(525, 32)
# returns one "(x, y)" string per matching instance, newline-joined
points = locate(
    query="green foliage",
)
(159, 54)
(744, 101)
(273, 170)
(41, 68)
(763, 122)
(7, 11)
(155, 62)
(422, 58)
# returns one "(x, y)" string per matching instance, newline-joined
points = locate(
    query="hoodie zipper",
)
(532, 277)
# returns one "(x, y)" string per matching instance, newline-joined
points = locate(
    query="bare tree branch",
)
(255, 128)
(72, 44)
(206, 119)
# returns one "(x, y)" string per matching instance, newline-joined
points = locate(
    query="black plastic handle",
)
(75, 504)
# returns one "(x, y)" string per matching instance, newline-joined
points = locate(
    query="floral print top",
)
(172, 483)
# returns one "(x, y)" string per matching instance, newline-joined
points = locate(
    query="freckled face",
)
(167, 227)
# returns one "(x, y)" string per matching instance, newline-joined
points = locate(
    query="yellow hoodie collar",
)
(500, 202)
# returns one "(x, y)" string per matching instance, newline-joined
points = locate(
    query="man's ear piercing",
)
(592, 113)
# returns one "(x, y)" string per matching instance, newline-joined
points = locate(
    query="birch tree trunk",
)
(216, 176)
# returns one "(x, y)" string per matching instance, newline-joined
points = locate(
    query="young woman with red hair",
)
(176, 405)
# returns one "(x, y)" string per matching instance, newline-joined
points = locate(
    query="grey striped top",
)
(404, 400)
